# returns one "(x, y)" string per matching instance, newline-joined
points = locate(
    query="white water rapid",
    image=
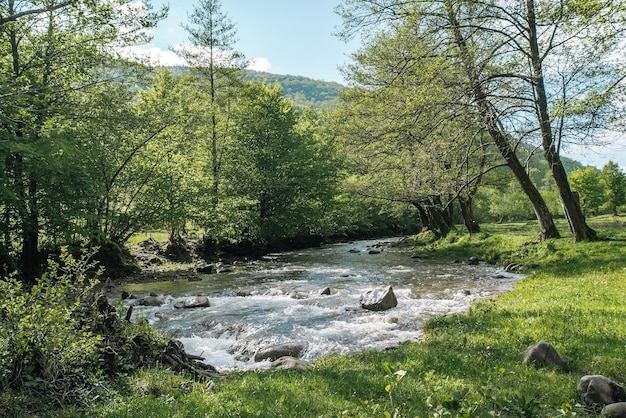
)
(283, 303)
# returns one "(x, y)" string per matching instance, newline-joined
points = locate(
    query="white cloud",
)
(156, 56)
(259, 64)
(153, 55)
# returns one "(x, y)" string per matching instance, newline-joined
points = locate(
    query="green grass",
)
(467, 364)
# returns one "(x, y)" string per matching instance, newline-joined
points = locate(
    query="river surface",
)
(283, 303)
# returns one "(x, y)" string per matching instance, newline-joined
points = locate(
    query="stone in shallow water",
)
(194, 302)
(380, 299)
(150, 301)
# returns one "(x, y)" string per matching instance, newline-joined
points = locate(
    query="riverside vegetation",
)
(466, 365)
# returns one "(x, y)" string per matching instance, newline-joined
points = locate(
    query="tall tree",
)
(557, 65)
(281, 171)
(50, 50)
(213, 57)
(439, 22)
(403, 130)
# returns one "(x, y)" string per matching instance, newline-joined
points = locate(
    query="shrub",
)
(45, 346)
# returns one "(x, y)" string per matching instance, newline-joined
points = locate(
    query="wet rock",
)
(325, 292)
(290, 363)
(150, 301)
(354, 251)
(206, 269)
(600, 390)
(194, 278)
(178, 250)
(273, 292)
(616, 410)
(473, 261)
(278, 351)
(155, 260)
(380, 299)
(243, 293)
(541, 354)
(127, 295)
(374, 252)
(193, 302)
(298, 295)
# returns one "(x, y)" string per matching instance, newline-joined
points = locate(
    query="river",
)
(278, 300)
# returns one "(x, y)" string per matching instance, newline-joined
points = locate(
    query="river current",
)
(279, 300)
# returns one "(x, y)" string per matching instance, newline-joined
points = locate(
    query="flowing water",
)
(278, 301)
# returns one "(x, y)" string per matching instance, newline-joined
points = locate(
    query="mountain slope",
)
(302, 90)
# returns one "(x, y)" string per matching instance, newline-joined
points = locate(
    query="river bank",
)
(466, 364)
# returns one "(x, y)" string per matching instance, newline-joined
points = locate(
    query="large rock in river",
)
(194, 302)
(278, 351)
(380, 299)
(150, 301)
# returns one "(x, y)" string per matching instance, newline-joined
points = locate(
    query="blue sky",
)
(280, 36)
(295, 37)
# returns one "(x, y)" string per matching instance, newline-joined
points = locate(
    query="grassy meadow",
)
(467, 365)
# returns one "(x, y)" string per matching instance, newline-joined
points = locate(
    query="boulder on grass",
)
(615, 410)
(541, 354)
(600, 390)
(380, 299)
(194, 302)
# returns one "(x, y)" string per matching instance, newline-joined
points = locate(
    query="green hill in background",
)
(302, 90)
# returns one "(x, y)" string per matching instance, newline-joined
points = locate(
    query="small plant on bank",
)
(395, 376)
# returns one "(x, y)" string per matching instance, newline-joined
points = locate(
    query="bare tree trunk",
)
(30, 258)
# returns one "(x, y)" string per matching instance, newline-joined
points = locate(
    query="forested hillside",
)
(302, 90)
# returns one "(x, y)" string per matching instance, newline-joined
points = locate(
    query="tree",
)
(281, 172)
(439, 22)
(213, 57)
(51, 50)
(542, 71)
(586, 183)
(403, 132)
(614, 181)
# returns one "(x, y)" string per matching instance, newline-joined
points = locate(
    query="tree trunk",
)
(571, 206)
(492, 124)
(434, 218)
(30, 259)
(470, 221)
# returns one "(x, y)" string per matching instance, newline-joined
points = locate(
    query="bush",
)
(45, 346)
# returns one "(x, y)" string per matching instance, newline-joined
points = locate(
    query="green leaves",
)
(42, 340)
